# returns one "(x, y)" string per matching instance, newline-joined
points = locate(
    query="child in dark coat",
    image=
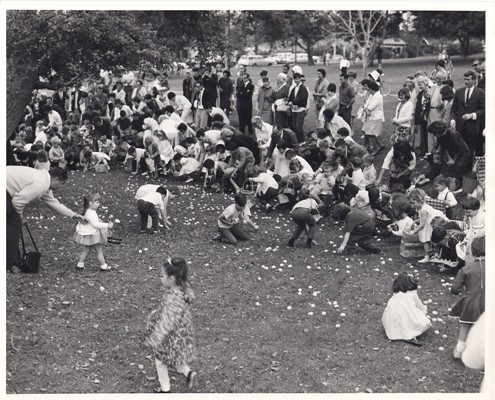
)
(358, 228)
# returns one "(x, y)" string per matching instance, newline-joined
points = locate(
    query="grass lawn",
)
(267, 318)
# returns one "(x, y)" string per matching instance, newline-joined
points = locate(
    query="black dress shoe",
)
(413, 341)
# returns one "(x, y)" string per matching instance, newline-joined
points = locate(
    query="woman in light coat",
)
(373, 119)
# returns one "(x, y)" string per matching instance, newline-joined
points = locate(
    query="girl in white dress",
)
(404, 317)
(94, 233)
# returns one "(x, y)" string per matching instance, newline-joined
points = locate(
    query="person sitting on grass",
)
(323, 182)
(422, 226)
(229, 226)
(435, 161)
(184, 167)
(358, 227)
(304, 214)
(444, 239)
(403, 223)
(89, 159)
(405, 318)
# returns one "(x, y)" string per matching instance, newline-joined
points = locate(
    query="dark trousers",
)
(233, 234)
(303, 218)
(14, 226)
(268, 196)
(345, 113)
(245, 113)
(364, 239)
(297, 123)
(146, 209)
(471, 141)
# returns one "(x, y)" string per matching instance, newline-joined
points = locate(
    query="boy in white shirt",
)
(441, 184)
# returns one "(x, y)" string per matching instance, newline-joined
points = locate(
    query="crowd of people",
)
(269, 160)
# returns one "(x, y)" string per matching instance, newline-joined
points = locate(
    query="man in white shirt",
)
(333, 123)
(150, 204)
(182, 106)
(119, 92)
(214, 111)
(54, 118)
(25, 185)
(200, 114)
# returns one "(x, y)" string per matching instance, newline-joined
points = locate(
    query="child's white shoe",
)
(105, 267)
(80, 266)
(424, 260)
(457, 354)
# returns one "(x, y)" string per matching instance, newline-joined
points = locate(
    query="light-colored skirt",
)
(373, 127)
(100, 237)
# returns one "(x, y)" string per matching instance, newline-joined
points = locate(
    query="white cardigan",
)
(405, 116)
(374, 105)
(93, 224)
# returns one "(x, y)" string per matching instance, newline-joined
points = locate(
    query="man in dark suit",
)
(287, 136)
(188, 86)
(298, 102)
(468, 111)
(60, 99)
(245, 104)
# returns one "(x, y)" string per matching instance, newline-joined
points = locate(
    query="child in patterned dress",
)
(169, 331)
(470, 280)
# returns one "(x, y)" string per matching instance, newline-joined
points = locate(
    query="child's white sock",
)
(461, 346)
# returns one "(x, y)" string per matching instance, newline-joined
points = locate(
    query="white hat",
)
(375, 75)
(297, 69)
(221, 142)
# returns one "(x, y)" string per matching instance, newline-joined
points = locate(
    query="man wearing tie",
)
(468, 111)
(200, 115)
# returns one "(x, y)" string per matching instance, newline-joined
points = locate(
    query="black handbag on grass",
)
(30, 260)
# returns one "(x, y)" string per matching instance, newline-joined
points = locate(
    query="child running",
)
(93, 234)
(169, 331)
(404, 317)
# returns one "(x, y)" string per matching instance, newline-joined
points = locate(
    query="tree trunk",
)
(365, 61)
(20, 84)
(309, 50)
(464, 47)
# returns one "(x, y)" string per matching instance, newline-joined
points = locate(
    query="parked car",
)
(284, 57)
(302, 58)
(253, 60)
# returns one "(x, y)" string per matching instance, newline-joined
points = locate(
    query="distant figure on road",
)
(344, 64)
